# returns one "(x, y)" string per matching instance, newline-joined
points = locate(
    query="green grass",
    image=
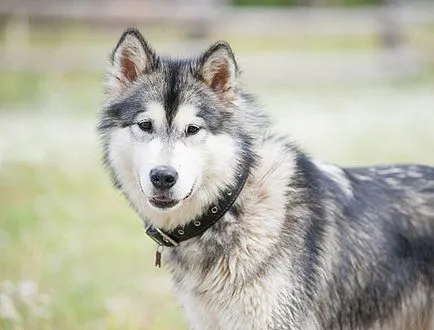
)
(75, 237)
(19, 88)
(75, 92)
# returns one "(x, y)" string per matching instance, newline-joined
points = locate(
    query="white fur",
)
(202, 162)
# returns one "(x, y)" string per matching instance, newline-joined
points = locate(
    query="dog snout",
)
(163, 177)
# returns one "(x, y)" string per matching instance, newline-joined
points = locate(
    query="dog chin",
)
(163, 205)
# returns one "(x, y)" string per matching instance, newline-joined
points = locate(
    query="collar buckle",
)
(160, 237)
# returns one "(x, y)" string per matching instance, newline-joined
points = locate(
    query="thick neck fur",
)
(236, 252)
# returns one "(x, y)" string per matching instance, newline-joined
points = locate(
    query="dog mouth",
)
(163, 202)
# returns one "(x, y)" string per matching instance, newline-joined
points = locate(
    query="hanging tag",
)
(158, 256)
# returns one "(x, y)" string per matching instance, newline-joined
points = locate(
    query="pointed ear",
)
(218, 69)
(131, 58)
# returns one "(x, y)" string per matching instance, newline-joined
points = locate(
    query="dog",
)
(256, 233)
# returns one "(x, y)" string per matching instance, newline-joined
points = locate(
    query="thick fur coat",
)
(306, 245)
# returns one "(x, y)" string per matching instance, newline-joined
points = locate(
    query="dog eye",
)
(192, 129)
(145, 126)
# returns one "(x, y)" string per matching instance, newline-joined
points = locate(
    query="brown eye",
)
(192, 129)
(145, 126)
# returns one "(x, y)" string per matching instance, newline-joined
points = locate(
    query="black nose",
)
(163, 177)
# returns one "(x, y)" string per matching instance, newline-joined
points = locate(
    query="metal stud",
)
(197, 223)
(180, 232)
(214, 209)
(229, 192)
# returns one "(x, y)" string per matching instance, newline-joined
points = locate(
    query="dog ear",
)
(131, 58)
(218, 69)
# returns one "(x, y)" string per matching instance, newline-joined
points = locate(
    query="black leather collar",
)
(199, 225)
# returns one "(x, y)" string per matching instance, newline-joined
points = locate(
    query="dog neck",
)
(200, 224)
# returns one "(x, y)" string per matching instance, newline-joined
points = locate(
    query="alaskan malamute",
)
(257, 234)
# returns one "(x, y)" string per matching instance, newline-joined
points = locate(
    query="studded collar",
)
(200, 224)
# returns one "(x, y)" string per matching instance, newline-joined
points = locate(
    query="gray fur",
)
(307, 245)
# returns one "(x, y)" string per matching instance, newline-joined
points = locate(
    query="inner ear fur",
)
(218, 68)
(131, 58)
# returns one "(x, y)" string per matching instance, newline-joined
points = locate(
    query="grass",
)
(19, 88)
(76, 92)
(73, 237)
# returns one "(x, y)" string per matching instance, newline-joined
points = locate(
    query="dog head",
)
(170, 128)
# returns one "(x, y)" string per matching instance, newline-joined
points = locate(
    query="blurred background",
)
(351, 80)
